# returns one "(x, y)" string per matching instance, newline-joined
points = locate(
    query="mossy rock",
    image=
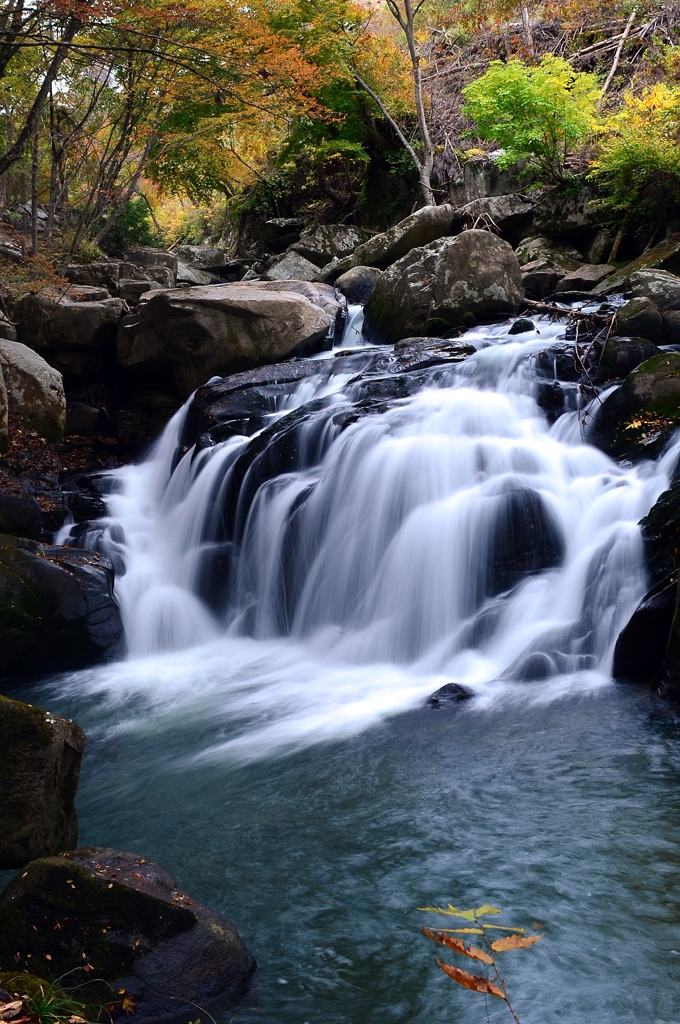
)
(121, 919)
(39, 767)
(638, 420)
(57, 610)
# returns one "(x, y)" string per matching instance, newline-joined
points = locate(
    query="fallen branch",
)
(574, 314)
(617, 55)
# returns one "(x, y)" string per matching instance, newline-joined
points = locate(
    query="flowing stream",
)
(266, 738)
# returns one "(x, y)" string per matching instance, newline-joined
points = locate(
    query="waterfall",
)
(450, 533)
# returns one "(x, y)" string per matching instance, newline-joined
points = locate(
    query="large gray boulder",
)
(57, 610)
(540, 247)
(35, 391)
(102, 275)
(291, 266)
(358, 283)
(584, 278)
(220, 329)
(149, 258)
(200, 256)
(321, 243)
(325, 296)
(660, 286)
(509, 214)
(420, 228)
(664, 256)
(639, 318)
(449, 283)
(541, 277)
(564, 214)
(74, 337)
(122, 917)
(39, 766)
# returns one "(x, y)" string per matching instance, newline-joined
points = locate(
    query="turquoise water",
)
(566, 814)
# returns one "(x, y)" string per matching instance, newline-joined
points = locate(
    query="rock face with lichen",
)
(122, 919)
(39, 766)
(449, 283)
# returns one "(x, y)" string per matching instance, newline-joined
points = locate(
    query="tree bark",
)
(35, 160)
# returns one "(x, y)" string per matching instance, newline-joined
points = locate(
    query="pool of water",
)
(564, 813)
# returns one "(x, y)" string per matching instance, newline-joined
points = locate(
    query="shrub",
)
(637, 167)
(536, 112)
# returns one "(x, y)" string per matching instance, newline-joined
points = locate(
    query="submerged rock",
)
(39, 766)
(57, 609)
(122, 919)
(435, 288)
(448, 696)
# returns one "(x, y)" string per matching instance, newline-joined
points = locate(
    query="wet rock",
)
(20, 514)
(35, 391)
(623, 355)
(585, 278)
(661, 287)
(321, 243)
(291, 266)
(641, 646)
(200, 256)
(194, 275)
(420, 353)
(281, 232)
(124, 917)
(541, 277)
(664, 256)
(532, 668)
(539, 247)
(432, 289)
(417, 230)
(218, 329)
(638, 419)
(558, 363)
(325, 296)
(525, 541)
(639, 317)
(671, 327)
(39, 766)
(57, 610)
(358, 283)
(522, 326)
(448, 696)
(74, 337)
(132, 290)
(660, 530)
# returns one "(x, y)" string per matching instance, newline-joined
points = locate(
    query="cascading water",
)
(448, 533)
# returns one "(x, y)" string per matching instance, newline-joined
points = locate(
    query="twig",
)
(574, 314)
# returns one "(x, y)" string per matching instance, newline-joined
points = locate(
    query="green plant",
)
(637, 167)
(46, 1001)
(537, 112)
(518, 938)
(133, 227)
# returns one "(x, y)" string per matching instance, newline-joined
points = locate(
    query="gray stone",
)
(321, 243)
(188, 274)
(7, 329)
(639, 318)
(149, 258)
(664, 256)
(587, 277)
(483, 177)
(138, 932)
(74, 337)
(563, 214)
(132, 291)
(57, 610)
(81, 419)
(325, 296)
(220, 329)
(39, 766)
(660, 286)
(163, 276)
(541, 248)
(200, 256)
(541, 278)
(291, 266)
(600, 246)
(358, 283)
(20, 514)
(671, 327)
(506, 213)
(446, 284)
(35, 390)
(102, 275)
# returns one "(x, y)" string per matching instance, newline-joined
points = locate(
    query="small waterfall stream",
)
(452, 535)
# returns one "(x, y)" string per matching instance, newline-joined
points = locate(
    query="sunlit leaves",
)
(474, 982)
(514, 942)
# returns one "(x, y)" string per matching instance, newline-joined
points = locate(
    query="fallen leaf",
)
(129, 1004)
(514, 942)
(472, 981)
(88, 967)
(458, 946)
(486, 909)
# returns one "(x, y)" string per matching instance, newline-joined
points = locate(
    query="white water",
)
(383, 588)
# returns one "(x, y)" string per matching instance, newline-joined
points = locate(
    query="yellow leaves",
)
(515, 942)
(458, 946)
(129, 1004)
(474, 982)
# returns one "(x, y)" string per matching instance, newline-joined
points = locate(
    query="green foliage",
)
(539, 112)
(637, 167)
(47, 1002)
(133, 227)
(515, 938)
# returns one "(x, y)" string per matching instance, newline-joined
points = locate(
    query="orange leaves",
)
(514, 942)
(458, 946)
(474, 982)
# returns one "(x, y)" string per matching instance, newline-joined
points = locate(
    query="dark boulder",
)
(525, 540)
(623, 355)
(641, 646)
(20, 514)
(448, 696)
(39, 766)
(541, 277)
(123, 920)
(57, 610)
(358, 283)
(639, 317)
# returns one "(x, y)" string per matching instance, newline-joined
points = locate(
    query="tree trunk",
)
(35, 162)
